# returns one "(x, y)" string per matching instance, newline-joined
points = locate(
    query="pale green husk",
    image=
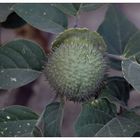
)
(76, 66)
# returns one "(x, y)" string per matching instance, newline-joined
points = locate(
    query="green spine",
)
(76, 66)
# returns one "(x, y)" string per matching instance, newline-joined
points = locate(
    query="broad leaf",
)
(53, 120)
(99, 118)
(42, 16)
(117, 90)
(93, 117)
(5, 10)
(17, 121)
(131, 72)
(90, 6)
(132, 48)
(67, 8)
(21, 62)
(85, 7)
(125, 125)
(116, 30)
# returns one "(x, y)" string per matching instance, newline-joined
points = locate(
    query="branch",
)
(62, 102)
(76, 21)
(0, 34)
(117, 57)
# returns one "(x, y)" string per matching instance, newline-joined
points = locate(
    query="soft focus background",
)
(38, 93)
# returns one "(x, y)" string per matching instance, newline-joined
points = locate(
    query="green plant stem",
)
(77, 17)
(120, 110)
(0, 34)
(76, 21)
(40, 118)
(62, 102)
(117, 57)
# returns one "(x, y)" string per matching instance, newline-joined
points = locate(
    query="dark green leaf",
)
(132, 48)
(100, 119)
(21, 62)
(117, 90)
(5, 10)
(85, 7)
(67, 8)
(94, 116)
(16, 121)
(125, 125)
(90, 6)
(116, 30)
(131, 72)
(42, 16)
(53, 120)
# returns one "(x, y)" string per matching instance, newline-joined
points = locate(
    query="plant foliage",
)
(22, 61)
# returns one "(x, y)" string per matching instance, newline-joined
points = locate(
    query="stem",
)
(62, 102)
(76, 18)
(76, 21)
(120, 111)
(117, 57)
(40, 118)
(0, 35)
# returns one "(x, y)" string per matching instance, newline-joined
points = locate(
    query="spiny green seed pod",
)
(76, 67)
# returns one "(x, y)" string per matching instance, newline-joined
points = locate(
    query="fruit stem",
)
(76, 21)
(62, 99)
(76, 17)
